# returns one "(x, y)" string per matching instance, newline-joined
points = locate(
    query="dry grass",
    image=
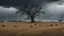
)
(32, 29)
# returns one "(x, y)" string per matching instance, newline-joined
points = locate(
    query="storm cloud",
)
(54, 11)
(7, 13)
(22, 2)
(53, 8)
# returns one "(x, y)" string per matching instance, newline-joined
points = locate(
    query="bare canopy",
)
(31, 11)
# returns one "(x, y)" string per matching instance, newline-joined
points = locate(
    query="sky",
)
(54, 9)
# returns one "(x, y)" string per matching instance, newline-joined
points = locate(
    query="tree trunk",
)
(32, 19)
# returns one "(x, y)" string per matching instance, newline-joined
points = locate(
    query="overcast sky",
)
(54, 9)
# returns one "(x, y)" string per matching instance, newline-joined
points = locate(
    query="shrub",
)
(31, 26)
(8, 20)
(35, 24)
(15, 26)
(20, 20)
(51, 25)
(3, 25)
(55, 24)
(60, 20)
(11, 21)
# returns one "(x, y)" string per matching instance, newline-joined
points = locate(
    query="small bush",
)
(11, 21)
(31, 26)
(3, 25)
(51, 25)
(8, 20)
(15, 26)
(35, 24)
(20, 20)
(55, 24)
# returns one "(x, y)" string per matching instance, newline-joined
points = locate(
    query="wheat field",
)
(31, 29)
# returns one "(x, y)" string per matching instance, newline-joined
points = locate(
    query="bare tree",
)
(31, 11)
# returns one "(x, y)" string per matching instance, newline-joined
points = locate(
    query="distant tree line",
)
(11, 21)
(59, 20)
(1, 21)
(14, 21)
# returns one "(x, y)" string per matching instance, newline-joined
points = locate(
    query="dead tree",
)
(31, 11)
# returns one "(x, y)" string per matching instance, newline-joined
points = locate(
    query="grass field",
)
(31, 29)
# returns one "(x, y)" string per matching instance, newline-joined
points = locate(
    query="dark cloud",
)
(52, 0)
(53, 10)
(7, 13)
(21, 2)
(10, 14)
(13, 2)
